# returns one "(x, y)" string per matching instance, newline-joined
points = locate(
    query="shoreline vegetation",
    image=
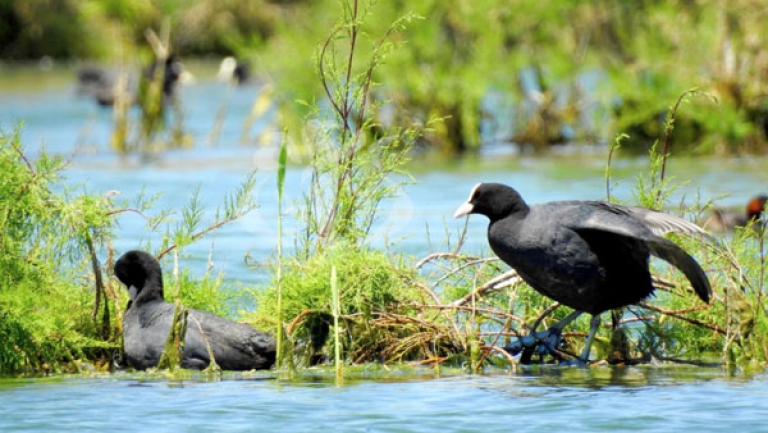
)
(574, 73)
(333, 298)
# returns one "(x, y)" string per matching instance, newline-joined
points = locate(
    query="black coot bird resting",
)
(589, 255)
(147, 321)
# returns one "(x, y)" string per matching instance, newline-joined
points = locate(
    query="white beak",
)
(133, 292)
(463, 210)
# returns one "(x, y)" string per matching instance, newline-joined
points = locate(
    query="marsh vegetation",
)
(531, 73)
(383, 306)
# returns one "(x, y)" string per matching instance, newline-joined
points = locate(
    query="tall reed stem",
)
(336, 307)
(280, 186)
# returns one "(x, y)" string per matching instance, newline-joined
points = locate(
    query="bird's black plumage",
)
(589, 255)
(147, 321)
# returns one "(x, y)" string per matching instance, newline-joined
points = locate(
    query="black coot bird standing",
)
(147, 321)
(589, 255)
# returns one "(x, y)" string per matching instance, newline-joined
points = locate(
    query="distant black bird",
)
(101, 84)
(104, 85)
(147, 321)
(726, 219)
(589, 255)
(169, 75)
(90, 75)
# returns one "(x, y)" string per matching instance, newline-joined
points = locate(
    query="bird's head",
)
(141, 274)
(494, 200)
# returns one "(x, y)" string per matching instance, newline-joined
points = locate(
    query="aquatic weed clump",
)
(378, 304)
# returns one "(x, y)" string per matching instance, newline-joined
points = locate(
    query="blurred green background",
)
(564, 71)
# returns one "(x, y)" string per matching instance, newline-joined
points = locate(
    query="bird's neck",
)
(152, 289)
(515, 211)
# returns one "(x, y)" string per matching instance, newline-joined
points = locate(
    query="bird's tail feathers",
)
(677, 257)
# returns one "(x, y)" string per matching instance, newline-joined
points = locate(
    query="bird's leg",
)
(583, 359)
(548, 340)
(594, 325)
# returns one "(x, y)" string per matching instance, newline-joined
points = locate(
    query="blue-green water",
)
(416, 222)
(599, 399)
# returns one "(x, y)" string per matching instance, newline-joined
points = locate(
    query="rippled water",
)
(602, 399)
(417, 222)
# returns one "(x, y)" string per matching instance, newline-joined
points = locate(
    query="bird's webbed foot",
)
(543, 342)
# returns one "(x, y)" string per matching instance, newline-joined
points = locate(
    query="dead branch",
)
(506, 279)
(296, 320)
(477, 309)
(437, 256)
(679, 315)
(495, 348)
(543, 315)
(463, 266)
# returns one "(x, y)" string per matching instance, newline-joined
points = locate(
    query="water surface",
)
(604, 399)
(416, 222)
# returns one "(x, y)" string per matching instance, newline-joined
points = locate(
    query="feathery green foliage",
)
(351, 171)
(48, 319)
